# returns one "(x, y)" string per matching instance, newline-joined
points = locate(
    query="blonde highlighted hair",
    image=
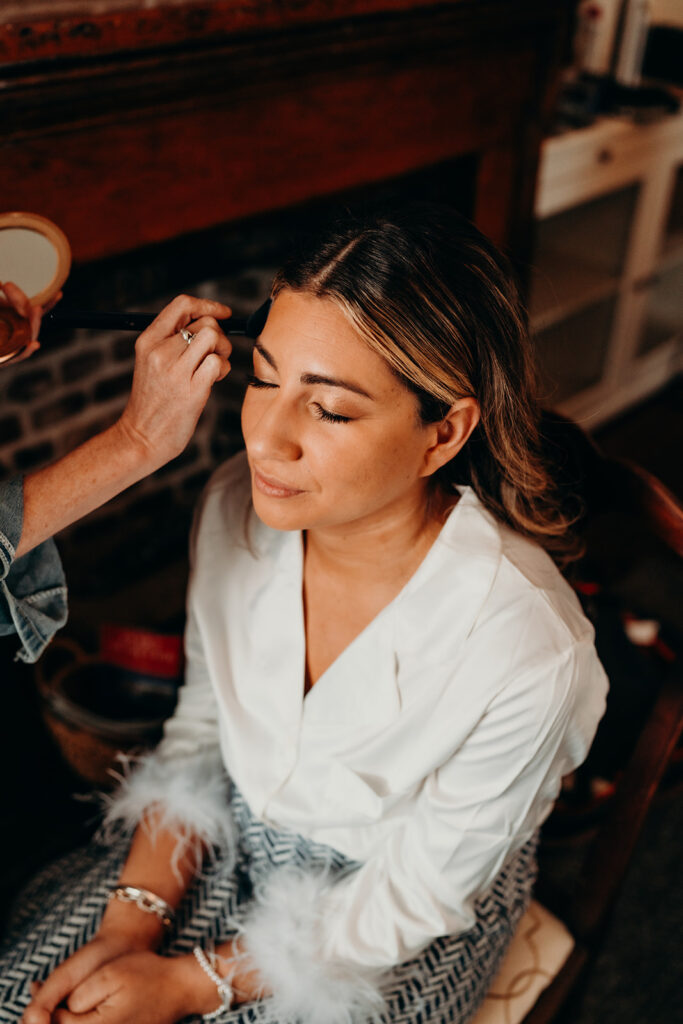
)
(428, 292)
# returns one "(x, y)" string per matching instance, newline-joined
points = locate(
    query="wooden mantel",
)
(131, 122)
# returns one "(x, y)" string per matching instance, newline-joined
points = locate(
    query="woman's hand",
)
(124, 929)
(142, 987)
(173, 379)
(73, 972)
(20, 303)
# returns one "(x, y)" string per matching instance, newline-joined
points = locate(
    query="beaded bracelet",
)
(144, 900)
(222, 984)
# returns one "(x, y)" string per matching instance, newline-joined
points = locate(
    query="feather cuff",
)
(282, 938)
(188, 797)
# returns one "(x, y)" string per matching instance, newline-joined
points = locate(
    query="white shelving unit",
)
(606, 301)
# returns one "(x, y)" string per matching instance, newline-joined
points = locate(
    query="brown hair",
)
(427, 291)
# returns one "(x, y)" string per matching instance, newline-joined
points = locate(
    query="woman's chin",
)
(280, 513)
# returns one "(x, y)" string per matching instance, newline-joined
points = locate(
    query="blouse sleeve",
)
(183, 781)
(472, 814)
(33, 597)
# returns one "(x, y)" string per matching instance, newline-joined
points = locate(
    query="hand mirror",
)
(35, 255)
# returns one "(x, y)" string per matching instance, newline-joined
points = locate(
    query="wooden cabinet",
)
(606, 299)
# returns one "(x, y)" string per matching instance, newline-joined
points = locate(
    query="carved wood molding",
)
(34, 30)
(240, 70)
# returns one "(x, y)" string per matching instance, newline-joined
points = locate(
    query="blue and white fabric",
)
(62, 907)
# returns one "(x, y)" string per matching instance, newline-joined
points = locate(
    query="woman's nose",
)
(273, 433)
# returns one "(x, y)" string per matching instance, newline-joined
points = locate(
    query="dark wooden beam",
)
(34, 30)
(140, 145)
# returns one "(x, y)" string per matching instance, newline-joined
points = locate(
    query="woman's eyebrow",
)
(333, 382)
(263, 351)
(315, 378)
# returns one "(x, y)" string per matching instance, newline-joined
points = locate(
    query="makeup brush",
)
(250, 326)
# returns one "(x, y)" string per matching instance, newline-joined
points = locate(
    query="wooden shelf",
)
(572, 352)
(663, 316)
(565, 285)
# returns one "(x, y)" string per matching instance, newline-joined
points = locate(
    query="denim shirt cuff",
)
(11, 521)
(33, 595)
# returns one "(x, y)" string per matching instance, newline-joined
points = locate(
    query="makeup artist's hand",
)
(173, 379)
(12, 296)
(171, 384)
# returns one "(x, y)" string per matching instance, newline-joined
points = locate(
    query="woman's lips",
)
(273, 488)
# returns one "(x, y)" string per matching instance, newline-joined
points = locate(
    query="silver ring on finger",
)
(187, 335)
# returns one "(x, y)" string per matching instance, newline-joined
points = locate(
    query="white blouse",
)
(430, 750)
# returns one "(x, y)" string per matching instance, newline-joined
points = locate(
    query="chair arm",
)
(608, 859)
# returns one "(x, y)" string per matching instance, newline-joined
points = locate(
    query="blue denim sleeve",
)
(33, 598)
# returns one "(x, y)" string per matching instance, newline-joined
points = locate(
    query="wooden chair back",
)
(626, 511)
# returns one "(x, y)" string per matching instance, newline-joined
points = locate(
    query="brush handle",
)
(81, 318)
(251, 326)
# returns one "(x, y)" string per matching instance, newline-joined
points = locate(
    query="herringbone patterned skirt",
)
(61, 909)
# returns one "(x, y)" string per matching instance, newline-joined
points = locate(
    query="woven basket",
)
(96, 711)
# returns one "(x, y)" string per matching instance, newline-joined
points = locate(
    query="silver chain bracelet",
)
(144, 900)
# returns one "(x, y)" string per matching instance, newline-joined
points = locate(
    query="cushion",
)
(538, 951)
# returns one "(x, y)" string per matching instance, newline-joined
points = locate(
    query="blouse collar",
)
(432, 615)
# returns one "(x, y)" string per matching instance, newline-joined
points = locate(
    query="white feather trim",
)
(188, 797)
(281, 936)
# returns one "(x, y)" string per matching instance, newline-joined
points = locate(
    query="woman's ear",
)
(450, 434)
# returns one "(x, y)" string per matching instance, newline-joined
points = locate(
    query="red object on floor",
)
(139, 650)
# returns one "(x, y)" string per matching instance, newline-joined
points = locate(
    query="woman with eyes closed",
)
(387, 675)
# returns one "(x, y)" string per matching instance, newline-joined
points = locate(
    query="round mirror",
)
(34, 255)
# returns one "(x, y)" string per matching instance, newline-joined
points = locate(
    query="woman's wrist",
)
(134, 929)
(201, 995)
(133, 449)
(234, 963)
